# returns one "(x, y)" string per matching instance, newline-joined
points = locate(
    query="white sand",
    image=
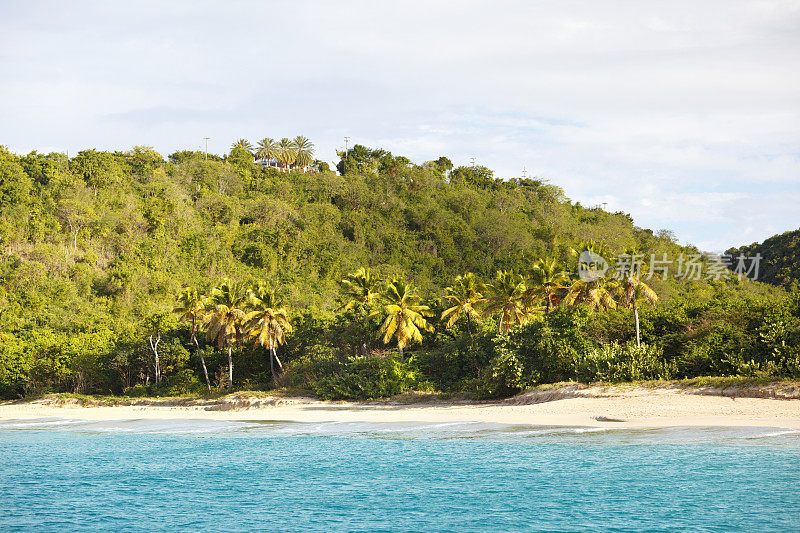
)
(633, 407)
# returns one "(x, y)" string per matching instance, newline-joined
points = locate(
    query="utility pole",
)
(346, 141)
(524, 173)
(472, 159)
(206, 139)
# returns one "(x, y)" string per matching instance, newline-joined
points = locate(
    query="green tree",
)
(359, 288)
(464, 299)
(404, 315)
(632, 288)
(592, 287)
(190, 307)
(267, 149)
(242, 144)
(267, 323)
(75, 208)
(286, 153)
(224, 319)
(597, 293)
(303, 151)
(546, 281)
(96, 168)
(506, 297)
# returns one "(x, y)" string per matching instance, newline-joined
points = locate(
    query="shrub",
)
(626, 362)
(503, 377)
(547, 348)
(182, 383)
(454, 366)
(317, 361)
(138, 391)
(366, 378)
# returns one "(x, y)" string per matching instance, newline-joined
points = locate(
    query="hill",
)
(780, 264)
(95, 248)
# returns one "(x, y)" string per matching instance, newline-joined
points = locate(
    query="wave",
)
(413, 431)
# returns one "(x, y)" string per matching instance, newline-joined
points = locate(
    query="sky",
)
(685, 114)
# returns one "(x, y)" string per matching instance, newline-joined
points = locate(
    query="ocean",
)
(193, 475)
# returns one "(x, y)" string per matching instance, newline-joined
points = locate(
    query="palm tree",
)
(304, 151)
(286, 153)
(267, 149)
(632, 287)
(405, 315)
(597, 294)
(224, 320)
(594, 289)
(242, 144)
(464, 298)
(267, 323)
(360, 287)
(547, 280)
(506, 296)
(190, 307)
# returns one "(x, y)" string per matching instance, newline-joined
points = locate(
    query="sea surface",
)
(189, 475)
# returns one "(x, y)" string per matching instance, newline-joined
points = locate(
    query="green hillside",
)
(95, 248)
(780, 264)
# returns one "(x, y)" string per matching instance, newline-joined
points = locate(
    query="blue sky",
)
(684, 114)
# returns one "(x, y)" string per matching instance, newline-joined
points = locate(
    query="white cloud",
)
(675, 113)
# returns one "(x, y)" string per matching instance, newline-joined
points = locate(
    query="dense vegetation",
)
(122, 272)
(780, 264)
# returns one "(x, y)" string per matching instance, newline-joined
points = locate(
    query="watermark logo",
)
(591, 266)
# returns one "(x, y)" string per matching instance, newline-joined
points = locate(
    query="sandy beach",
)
(595, 407)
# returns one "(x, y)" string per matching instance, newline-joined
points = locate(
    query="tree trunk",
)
(202, 360)
(636, 317)
(154, 347)
(272, 363)
(230, 368)
(75, 238)
(197, 347)
(400, 348)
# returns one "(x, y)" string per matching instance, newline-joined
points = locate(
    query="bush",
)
(547, 348)
(138, 391)
(318, 360)
(182, 383)
(503, 377)
(627, 362)
(454, 366)
(366, 378)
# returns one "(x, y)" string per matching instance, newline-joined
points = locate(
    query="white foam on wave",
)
(157, 426)
(39, 423)
(471, 430)
(778, 433)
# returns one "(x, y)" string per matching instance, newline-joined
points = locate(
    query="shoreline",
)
(625, 406)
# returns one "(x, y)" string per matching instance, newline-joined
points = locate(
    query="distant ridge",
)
(780, 264)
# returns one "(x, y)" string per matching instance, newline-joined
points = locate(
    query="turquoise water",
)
(59, 475)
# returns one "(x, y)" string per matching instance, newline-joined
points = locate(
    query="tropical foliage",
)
(97, 250)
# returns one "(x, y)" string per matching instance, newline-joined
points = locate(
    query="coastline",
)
(628, 406)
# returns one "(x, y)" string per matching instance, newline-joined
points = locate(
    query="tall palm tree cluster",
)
(236, 313)
(286, 154)
(511, 297)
